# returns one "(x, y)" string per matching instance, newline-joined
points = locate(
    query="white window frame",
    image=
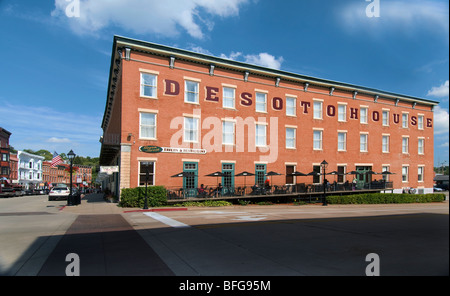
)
(318, 141)
(405, 117)
(293, 140)
(421, 146)
(420, 121)
(195, 129)
(143, 86)
(405, 145)
(405, 177)
(224, 134)
(258, 96)
(385, 117)
(363, 118)
(420, 173)
(344, 142)
(364, 144)
(196, 92)
(291, 110)
(148, 126)
(385, 144)
(342, 112)
(317, 109)
(151, 175)
(229, 99)
(258, 128)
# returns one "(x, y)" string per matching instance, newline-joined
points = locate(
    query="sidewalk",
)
(92, 204)
(105, 243)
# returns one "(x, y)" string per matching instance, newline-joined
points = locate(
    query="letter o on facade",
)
(277, 103)
(331, 110)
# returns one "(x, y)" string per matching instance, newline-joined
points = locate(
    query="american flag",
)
(56, 159)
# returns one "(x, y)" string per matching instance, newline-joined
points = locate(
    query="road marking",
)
(250, 218)
(166, 220)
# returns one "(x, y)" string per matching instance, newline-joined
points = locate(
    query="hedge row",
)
(385, 198)
(135, 197)
(206, 203)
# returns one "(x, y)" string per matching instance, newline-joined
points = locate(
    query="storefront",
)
(171, 111)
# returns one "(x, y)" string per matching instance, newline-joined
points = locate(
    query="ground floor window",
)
(260, 173)
(316, 177)
(405, 172)
(289, 170)
(341, 172)
(190, 180)
(228, 179)
(363, 177)
(385, 176)
(420, 173)
(146, 173)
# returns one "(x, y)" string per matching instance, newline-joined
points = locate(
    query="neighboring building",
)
(5, 168)
(30, 170)
(14, 163)
(170, 110)
(60, 174)
(53, 175)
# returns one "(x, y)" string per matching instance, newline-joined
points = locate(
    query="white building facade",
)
(30, 170)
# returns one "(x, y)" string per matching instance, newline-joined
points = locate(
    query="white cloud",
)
(51, 129)
(148, 16)
(441, 121)
(262, 59)
(439, 91)
(232, 56)
(265, 60)
(405, 15)
(58, 140)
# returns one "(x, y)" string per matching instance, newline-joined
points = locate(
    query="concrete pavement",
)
(105, 243)
(236, 240)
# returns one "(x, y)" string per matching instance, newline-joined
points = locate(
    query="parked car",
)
(60, 192)
(437, 189)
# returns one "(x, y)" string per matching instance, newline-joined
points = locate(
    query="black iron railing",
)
(300, 188)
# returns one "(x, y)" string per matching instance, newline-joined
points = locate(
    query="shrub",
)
(135, 197)
(385, 198)
(206, 203)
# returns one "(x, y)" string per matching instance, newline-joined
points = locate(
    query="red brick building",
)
(60, 174)
(169, 111)
(5, 168)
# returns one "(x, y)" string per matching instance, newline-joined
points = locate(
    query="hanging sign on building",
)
(150, 149)
(109, 169)
(183, 150)
(157, 149)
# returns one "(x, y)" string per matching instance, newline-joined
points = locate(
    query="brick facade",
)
(249, 118)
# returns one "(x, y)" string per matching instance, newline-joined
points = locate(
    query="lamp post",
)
(324, 165)
(71, 156)
(146, 183)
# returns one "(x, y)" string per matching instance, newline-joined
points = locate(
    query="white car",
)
(58, 193)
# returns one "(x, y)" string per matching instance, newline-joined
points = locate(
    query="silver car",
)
(58, 193)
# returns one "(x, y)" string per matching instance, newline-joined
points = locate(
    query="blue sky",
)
(54, 68)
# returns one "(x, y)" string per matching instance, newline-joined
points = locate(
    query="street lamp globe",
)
(324, 165)
(71, 155)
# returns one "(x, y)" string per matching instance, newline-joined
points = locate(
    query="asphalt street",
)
(283, 240)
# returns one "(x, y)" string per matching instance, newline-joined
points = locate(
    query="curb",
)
(157, 210)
